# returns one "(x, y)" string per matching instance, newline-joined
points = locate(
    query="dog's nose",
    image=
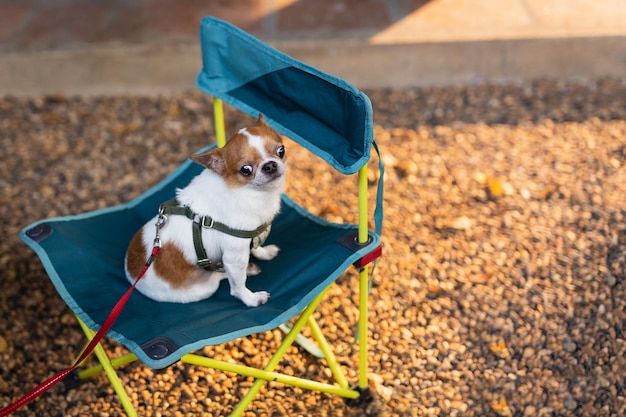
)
(270, 167)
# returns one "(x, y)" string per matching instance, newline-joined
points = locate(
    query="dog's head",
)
(254, 157)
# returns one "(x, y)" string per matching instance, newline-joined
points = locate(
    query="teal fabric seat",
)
(84, 257)
(84, 254)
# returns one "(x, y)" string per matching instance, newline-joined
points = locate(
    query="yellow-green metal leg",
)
(363, 313)
(115, 362)
(268, 375)
(110, 372)
(218, 116)
(328, 353)
(363, 280)
(280, 352)
(363, 229)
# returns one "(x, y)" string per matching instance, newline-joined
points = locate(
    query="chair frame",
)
(341, 388)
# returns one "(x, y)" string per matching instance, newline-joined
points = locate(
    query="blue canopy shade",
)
(321, 112)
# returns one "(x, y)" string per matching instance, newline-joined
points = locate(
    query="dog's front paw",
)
(252, 299)
(265, 253)
(262, 297)
(256, 299)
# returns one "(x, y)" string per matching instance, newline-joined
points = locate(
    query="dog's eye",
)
(246, 170)
(280, 151)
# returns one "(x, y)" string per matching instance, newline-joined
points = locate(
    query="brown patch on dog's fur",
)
(260, 128)
(137, 256)
(234, 157)
(171, 266)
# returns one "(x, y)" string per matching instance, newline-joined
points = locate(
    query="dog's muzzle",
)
(270, 168)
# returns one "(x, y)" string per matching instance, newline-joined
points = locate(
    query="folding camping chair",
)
(324, 114)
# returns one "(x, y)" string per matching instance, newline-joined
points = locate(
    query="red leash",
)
(115, 312)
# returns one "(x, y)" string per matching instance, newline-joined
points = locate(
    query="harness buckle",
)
(206, 264)
(203, 222)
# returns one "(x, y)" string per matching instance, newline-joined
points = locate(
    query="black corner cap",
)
(159, 348)
(39, 232)
(351, 241)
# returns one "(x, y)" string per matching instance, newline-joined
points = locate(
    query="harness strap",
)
(173, 207)
(203, 260)
(198, 222)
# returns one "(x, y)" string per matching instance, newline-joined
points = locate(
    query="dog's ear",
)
(212, 160)
(261, 120)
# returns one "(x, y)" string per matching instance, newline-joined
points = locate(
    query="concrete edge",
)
(153, 69)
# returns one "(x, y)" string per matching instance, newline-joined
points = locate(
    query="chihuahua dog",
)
(239, 189)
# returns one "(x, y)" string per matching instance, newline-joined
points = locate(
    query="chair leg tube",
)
(269, 376)
(110, 373)
(328, 353)
(280, 352)
(115, 362)
(363, 320)
(218, 116)
(363, 197)
(363, 280)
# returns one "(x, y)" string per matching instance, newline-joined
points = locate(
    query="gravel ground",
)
(501, 292)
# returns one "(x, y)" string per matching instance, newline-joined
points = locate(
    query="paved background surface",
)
(149, 46)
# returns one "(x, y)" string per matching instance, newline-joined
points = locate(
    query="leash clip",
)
(161, 220)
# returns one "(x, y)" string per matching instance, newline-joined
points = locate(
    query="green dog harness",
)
(172, 207)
